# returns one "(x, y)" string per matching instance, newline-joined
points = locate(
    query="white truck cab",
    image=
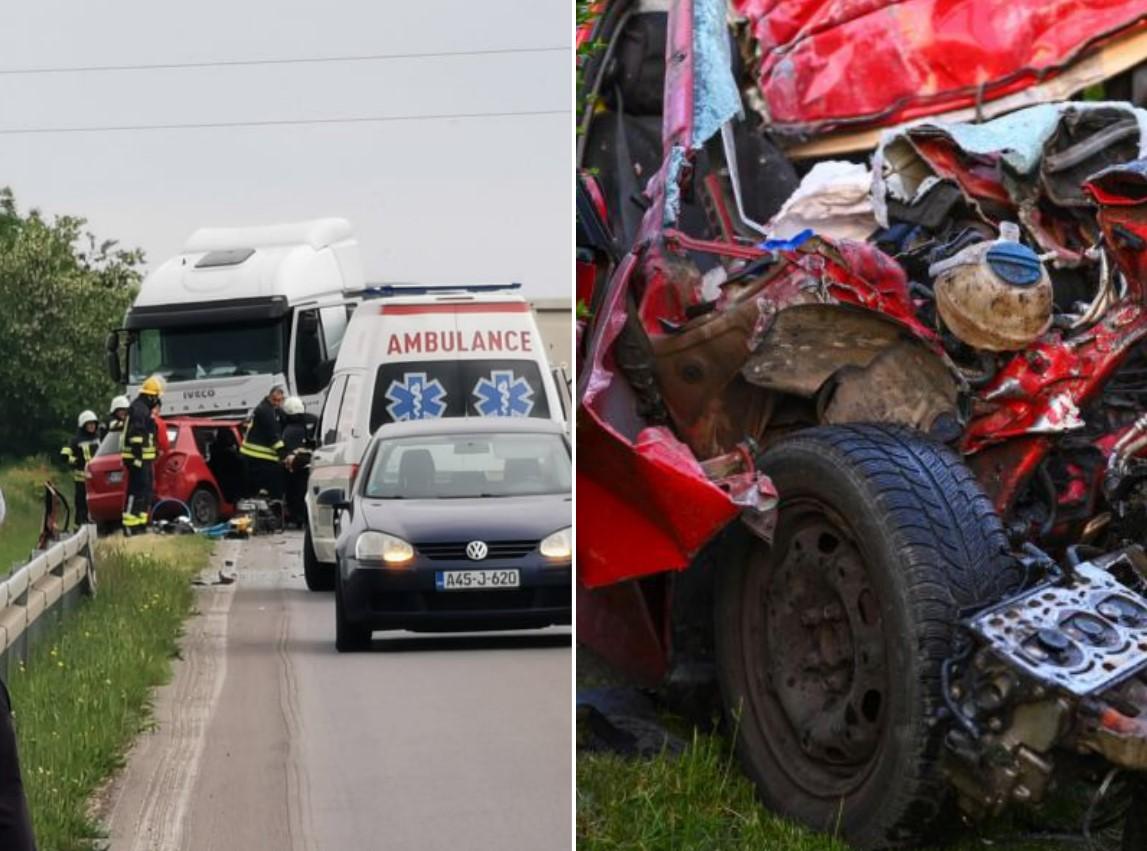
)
(442, 352)
(240, 310)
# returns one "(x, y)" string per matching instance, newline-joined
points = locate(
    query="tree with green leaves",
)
(61, 291)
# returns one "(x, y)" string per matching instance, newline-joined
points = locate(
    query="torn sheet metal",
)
(833, 199)
(1006, 149)
(673, 169)
(1028, 167)
(716, 99)
(644, 507)
(832, 64)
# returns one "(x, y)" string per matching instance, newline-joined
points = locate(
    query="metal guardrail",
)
(38, 593)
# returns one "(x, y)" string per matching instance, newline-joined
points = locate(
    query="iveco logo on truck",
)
(198, 394)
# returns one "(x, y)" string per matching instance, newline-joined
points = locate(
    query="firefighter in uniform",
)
(117, 414)
(297, 429)
(79, 451)
(263, 448)
(139, 453)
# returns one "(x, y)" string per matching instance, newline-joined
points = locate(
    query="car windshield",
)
(457, 466)
(185, 353)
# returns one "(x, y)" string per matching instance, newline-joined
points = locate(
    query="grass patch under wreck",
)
(698, 800)
(86, 691)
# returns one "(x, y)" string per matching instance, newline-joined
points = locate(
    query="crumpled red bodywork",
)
(827, 64)
(644, 503)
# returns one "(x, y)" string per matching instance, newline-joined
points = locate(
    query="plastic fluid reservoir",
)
(994, 295)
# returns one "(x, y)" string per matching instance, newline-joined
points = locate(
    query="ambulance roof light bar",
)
(391, 290)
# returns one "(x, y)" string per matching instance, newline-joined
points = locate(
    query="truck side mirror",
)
(111, 345)
(113, 366)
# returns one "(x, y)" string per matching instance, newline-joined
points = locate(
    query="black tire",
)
(349, 637)
(319, 576)
(204, 506)
(835, 715)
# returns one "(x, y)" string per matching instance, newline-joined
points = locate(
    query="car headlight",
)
(379, 546)
(559, 545)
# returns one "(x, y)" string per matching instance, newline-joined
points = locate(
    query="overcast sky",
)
(475, 199)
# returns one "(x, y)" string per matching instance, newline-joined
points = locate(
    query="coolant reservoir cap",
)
(1014, 263)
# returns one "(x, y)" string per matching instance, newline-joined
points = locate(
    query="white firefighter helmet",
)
(994, 296)
(293, 405)
(119, 403)
(88, 417)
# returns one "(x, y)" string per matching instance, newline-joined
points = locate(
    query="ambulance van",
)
(441, 353)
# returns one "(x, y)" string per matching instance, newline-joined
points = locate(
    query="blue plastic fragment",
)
(1015, 263)
(790, 244)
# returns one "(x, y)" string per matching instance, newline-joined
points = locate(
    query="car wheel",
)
(204, 506)
(830, 642)
(349, 637)
(319, 576)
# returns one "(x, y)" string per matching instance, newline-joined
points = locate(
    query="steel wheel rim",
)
(815, 652)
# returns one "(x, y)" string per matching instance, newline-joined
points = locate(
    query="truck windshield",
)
(185, 353)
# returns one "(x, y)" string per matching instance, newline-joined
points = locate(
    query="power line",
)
(25, 131)
(233, 63)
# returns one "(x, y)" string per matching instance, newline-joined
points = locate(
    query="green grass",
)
(698, 800)
(23, 495)
(86, 691)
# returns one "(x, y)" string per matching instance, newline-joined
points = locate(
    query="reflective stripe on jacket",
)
(263, 438)
(139, 433)
(79, 452)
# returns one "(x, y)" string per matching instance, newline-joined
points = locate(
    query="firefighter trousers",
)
(266, 478)
(140, 493)
(81, 501)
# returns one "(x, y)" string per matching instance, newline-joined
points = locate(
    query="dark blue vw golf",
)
(455, 524)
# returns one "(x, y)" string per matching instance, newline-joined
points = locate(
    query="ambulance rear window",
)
(412, 390)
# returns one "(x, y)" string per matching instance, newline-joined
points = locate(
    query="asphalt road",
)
(268, 739)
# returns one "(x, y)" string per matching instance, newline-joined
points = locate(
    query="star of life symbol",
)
(415, 398)
(503, 395)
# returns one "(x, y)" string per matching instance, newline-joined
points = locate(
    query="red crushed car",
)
(201, 468)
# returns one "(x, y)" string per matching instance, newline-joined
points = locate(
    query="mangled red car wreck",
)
(888, 493)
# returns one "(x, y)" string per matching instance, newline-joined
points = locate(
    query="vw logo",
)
(476, 550)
